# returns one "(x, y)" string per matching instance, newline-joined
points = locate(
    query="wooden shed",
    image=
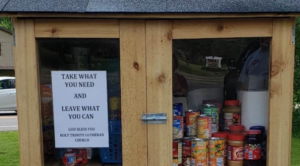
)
(135, 42)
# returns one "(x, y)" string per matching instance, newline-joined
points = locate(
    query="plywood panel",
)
(281, 93)
(28, 99)
(159, 90)
(71, 28)
(222, 28)
(133, 84)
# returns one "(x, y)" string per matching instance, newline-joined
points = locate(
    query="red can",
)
(178, 127)
(187, 151)
(191, 122)
(177, 152)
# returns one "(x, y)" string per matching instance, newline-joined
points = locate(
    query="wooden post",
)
(28, 94)
(133, 84)
(281, 93)
(159, 90)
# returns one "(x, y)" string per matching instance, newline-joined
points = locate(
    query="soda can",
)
(177, 109)
(177, 152)
(200, 152)
(213, 111)
(204, 126)
(216, 151)
(191, 122)
(187, 151)
(178, 127)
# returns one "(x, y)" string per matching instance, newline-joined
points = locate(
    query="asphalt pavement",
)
(8, 121)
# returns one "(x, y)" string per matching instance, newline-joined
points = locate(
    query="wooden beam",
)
(222, 28)
(149, 15)
(159, 90)
(28, 94)
(133, 84)
(281, 93)
(73, 28)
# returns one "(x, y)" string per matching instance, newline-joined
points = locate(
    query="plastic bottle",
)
(235, 154)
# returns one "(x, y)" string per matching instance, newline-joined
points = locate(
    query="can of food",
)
(177, 109)
(177, 152)
(178, 127)
(216, 151)
(191, 122)
(187, 151)
(213, 111)
(200, 152)
(204, 126)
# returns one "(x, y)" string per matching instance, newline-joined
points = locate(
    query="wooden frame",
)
(27, 69)
(146, 80)
(281, 66)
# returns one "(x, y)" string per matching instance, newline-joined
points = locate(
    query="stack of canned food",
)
(193, 142)
(197, 141)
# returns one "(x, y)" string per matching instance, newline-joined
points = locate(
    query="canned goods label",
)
(177, 127)
(218, 161)
(177, 152)
(196, 162)
(204, 127)
(186, 148)
(191, 123)
(186, 161)
(235, 153)
(200, 150)
(176, 162)
(213, 112)
(231, 118)
(177, 109)
(216, 148)
(252, 152)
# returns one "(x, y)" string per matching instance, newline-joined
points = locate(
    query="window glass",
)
(5, 84)
(226, 82)
(81, 55)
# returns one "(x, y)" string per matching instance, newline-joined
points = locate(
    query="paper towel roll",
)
(255, 108)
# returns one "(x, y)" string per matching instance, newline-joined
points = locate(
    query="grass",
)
(295, 159)
(9, 148)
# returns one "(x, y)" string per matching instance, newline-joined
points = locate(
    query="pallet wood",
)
(71, 28)
(133, 84)
(281, 93)
(28, 95)
(159, 90)
(222, 28)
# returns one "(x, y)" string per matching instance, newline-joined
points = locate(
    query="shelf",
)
(53, 162)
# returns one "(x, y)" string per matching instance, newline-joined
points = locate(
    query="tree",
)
(5, 22)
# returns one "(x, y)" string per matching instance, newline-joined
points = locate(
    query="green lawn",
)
(295, 160)
(9, 149)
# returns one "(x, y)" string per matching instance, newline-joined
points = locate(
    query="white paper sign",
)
(80, 109)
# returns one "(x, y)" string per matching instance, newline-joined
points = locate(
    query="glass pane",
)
(220, 87)
(81, 55)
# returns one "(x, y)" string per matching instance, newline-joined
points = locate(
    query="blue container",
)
(113, 154)
(115, 127)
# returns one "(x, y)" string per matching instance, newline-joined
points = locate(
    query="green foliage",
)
(5, 22)
(296, 111)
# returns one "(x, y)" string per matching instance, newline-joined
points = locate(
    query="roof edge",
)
(6, 30)
(169, 15)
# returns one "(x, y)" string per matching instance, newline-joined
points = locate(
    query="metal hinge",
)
(293, 35)
(159, 118)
